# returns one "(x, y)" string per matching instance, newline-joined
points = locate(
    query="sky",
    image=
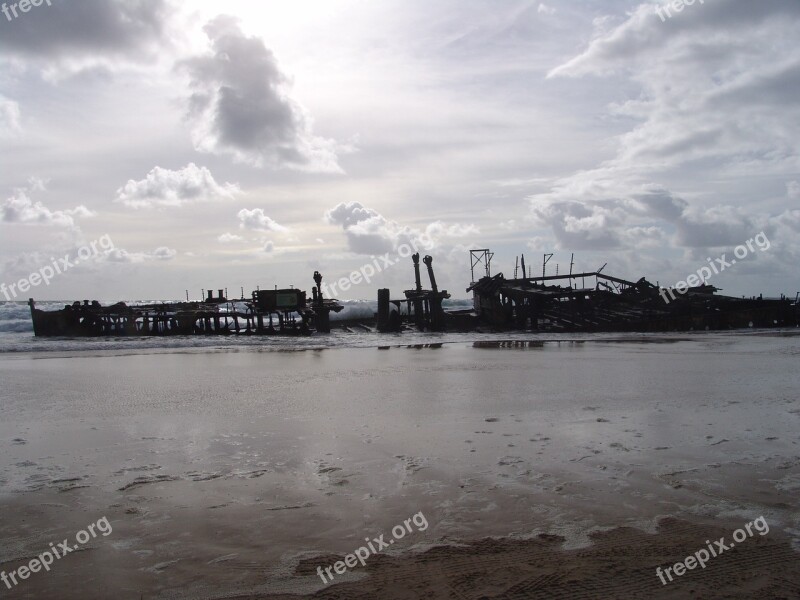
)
(238, 144)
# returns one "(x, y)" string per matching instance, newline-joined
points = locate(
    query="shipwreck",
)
(595, 302)
(572, 302)
(277, 311)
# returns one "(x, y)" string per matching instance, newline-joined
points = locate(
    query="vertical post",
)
(383, 309)
(323, 320)
(419, 317)
(435, 307)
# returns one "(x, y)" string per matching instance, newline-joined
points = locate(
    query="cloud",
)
(86, 29)
(718, 82)
(240, 105)
(437, 229)
(20, 208)
(579, 225)
(791, 220)
(644, 237)
(694, 34)
(164, 187)
(369, 232)
(257, 220)
(228, 238)
(617, 215)
(716, 226)
(9, 118)
(164, 253)
(711, 101)
(120, 255)
(350, 214)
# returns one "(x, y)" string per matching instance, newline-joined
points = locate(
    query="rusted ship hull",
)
(566, 303)
(266, 312)
(547, 304)
(602, 312)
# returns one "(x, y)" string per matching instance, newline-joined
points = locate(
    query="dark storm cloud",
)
(240, 104)
(697, 227)
(78, 28)
(613, 223)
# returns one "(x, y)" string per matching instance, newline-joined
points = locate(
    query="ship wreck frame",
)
(574, 302)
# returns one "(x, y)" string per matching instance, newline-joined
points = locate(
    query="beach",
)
(237, 472)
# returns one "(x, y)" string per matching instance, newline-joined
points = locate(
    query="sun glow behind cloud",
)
(289, 28)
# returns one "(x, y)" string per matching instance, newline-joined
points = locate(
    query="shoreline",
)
(621, 562)
(374, 341)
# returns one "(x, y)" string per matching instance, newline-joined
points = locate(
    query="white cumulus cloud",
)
(257, 220)
(164, 187)
(21, 208)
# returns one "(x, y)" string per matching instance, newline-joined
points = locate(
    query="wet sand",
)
(236, 474)
(620, 563)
